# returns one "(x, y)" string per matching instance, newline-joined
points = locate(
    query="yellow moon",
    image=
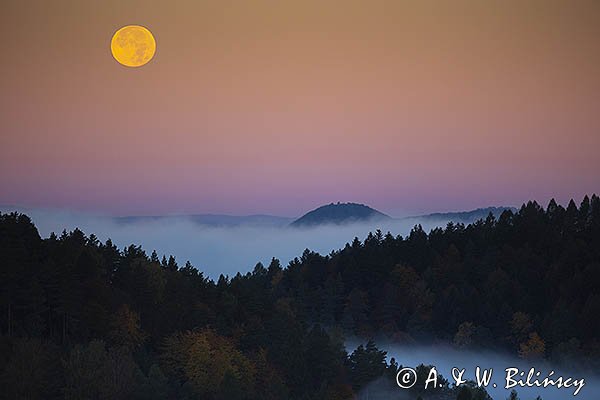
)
(133, 45)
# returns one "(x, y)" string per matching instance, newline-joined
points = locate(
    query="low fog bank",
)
(216, 250)
(446, 357)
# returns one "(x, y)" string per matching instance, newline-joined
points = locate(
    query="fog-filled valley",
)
(221, 244)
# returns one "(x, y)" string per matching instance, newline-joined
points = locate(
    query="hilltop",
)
(339, 213)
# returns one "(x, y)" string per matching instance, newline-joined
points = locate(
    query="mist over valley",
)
(226, 244)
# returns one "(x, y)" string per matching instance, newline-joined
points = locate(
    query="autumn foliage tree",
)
(206, 361)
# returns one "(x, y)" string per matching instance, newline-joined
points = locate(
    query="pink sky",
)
(277, 107)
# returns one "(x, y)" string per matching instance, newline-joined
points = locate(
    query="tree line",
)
(86, 320)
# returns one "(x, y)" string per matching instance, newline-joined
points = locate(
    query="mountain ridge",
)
(468, 216)
(342, 213)
(213, 220)
(366, 213)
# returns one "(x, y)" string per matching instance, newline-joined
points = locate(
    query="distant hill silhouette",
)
(465, 217)
(339, 213)
(213, 220)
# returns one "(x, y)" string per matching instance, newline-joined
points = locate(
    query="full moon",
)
(133, 46)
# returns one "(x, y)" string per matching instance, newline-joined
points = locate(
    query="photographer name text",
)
(512, 378)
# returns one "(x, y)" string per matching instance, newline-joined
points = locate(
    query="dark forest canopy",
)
(74, 310)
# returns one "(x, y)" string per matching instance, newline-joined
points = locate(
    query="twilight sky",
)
(280, 106)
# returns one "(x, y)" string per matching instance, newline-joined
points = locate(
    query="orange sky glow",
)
(279, 106)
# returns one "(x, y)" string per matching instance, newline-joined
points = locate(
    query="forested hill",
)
(339, 213)
(74, 310)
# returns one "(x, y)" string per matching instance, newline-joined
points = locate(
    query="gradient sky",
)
(279, 106)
